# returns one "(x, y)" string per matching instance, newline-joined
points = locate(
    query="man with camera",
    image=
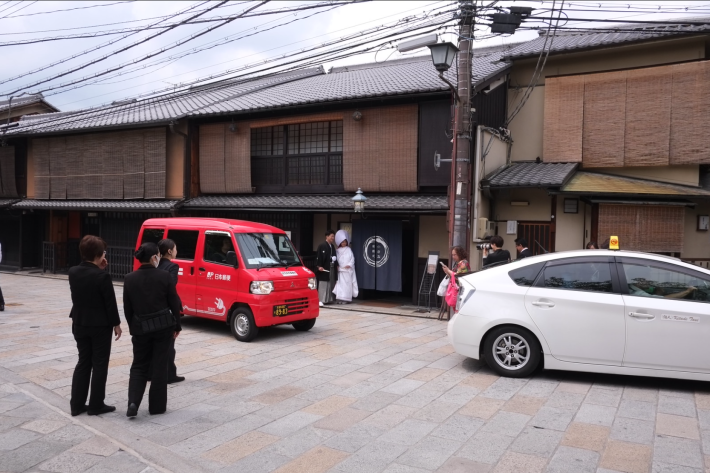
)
(496, 254)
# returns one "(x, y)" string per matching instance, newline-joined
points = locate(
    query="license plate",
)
(280, 310)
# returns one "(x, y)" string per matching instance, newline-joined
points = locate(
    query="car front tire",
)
(304, 325)
(511, 351)
(242, 324)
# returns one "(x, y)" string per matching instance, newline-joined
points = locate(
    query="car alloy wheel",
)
(512, 352)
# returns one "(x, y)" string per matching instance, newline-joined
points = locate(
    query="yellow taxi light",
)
(614, 243)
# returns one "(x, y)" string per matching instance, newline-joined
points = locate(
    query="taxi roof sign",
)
(614, 243)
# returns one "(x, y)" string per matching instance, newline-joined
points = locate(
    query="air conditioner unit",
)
(481, 228)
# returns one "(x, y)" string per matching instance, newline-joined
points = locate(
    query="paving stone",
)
(553, 418)
(485, 447)
(399, 468)
(586, 436)
(301, 441)
(71, 462)
(520, 463)
(482, 407)
(14, 438)
(677, 426)
(43, 426)
(595, 414)
(538, 388)
(573, 387)
(535, 441)
(120, 461)
(641, 410)
(29, 455)
(627, 457)
(677, 451)
(403, 386)
(317, 460)
(69, 435)
(390, 416)
(329, 405)
(463, 465)
(375, 401)
(259, 462)
(565, 400)
(524, 404)
(506, 423)
(573, 460)
(354, 438)
(639, 394)
(290, 423)
(659, 467)
(425, 374)
(342, 419)
(458, 427)
(96, 446)
(408, 432)
(430, 453)
(436, 411)
(243, 446)
(372, 458)
(603, 397)
(633, 430)
(504, 388)
(680, 406)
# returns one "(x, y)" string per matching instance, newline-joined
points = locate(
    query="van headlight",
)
(261, 287)
(312, 283)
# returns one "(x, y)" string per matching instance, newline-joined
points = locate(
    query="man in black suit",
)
(521, 244)
(498, 254)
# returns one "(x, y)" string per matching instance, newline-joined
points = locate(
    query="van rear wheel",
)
(304, 325)
(242, 324)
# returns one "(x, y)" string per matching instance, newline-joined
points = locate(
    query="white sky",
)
(326, 26)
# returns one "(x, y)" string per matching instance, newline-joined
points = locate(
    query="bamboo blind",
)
(604, 119)
(690, 114)
(237, 162)
(650, 228)
(111, 165)
(563, 119)
(212, 156)
(380, 151)
(7, 172)
(648, 117)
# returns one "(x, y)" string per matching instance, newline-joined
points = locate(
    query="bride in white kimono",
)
(346, 287)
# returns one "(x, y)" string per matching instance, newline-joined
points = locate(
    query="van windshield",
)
(262, 250)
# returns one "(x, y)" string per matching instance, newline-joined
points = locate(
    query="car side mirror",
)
(232, 258)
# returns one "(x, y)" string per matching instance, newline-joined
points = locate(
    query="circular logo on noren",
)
(376, 251)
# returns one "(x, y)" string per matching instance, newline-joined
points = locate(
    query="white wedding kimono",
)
(346, 287)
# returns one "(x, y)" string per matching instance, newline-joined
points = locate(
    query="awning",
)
(99, 205)
(605, 184)
(310, 203)
(530, 175)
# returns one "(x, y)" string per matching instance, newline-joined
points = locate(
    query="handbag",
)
(452, 293)
(443, 285)
(149, 323)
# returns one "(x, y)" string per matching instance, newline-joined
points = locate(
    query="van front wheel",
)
(242, 324)
(304, 325)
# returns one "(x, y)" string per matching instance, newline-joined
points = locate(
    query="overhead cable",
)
(70, 9)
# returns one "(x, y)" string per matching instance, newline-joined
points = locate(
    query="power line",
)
(123, 49)
(70, 9)
(19, 9)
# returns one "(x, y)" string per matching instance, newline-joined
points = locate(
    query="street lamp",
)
(442, 55)
(359, 201)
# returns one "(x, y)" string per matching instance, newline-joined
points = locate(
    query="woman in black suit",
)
(152, 308)
(94, 315)
(168, 251)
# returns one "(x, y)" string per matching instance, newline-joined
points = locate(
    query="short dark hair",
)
(460, 252)
(165, 245)
(91, 247)
(522, 242)
(592, 245)
(497, 240)
(146, 252)
(329, 232)
(605, 245)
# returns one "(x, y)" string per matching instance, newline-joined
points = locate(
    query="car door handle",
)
(192, 270)
(543, 304)
(201, 269)
(638, 315)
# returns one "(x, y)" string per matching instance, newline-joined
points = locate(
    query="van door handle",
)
(543, 304)
(638, 315)
(192, 270)
(201, 269)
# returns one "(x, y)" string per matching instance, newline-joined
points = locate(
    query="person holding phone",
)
(460, 263)
(94, 315)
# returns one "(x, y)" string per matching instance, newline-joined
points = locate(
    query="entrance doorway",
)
(538, 236)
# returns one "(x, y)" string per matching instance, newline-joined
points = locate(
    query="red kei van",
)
(244, 273)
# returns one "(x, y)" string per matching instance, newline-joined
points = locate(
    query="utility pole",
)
(461, 176)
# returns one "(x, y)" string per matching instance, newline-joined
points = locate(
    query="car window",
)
(648, 280)
(526, 275)
(185, 242)
(585, 276)
(152, 235)
(217, 245)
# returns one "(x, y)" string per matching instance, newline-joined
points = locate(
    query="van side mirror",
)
(232, 258)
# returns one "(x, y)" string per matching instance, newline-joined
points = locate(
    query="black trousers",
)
(94, 344)
(150, 350)
(172, 369)
(2, 300)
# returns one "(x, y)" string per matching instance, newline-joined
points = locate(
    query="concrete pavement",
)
(360, 392)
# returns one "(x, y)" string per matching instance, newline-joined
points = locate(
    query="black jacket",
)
(525, 253)
(496, 257)
(148, 290)
(92, 296)
(173, 268)
(323, 260)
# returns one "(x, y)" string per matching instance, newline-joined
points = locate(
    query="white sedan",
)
(602, 311)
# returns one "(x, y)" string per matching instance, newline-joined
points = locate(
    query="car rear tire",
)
(242, 324)
(511, 351)
(304, 325)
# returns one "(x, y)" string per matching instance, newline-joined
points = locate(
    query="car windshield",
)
(262, 250)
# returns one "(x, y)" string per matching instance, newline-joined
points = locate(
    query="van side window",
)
(216, 247)
(186, 243)
(152, 235)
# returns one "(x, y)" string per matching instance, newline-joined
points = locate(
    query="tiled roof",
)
(597, 184)
(120, 205)
(531, 175)
(398, 77)
(567, 41)
(22, 102)
(320, 202)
